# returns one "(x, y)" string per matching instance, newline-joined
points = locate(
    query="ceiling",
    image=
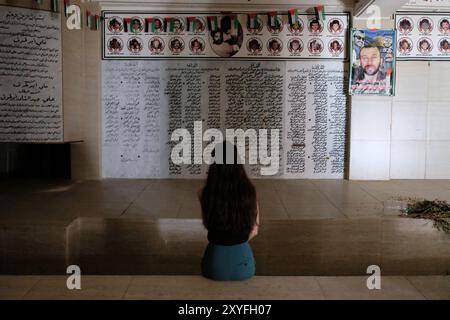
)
(387, 7)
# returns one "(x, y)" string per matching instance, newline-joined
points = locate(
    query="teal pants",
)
(228, 263)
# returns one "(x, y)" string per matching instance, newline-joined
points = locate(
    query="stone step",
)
(197, 287)
(144, 246)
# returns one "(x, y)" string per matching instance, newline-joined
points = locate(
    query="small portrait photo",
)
(444, 25)
(254, 46)
(425, 45)
(335, 26)
(136, 25)
(276, 26)
(274, 45)
(196, 25)
(228, 39)
(135, 45)
(115, 24)
(297, 27)
(359, 39)
(425, 25)
(176, 45)
(405, 25)
(444, 45)
(295, 46)
(405, 45)
(336, 47)
(254, 24)
(176, 25)
(217, 37)
(197, 45)
(156, 25)
(156, 45)
(315, 46)
(315, 26)
(115, 45)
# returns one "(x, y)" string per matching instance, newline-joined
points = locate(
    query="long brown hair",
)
(228, 199)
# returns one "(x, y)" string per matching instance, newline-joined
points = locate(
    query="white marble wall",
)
(407, 136)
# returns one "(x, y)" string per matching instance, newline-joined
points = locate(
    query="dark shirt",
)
(226, 238)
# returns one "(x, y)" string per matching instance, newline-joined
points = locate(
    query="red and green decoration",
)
(54, 6)
(320, 11)
(252, 21)
(274, 23)
(147, 23)
(293, 16)
(213, 23)
(191, 23)
(66, 5)
(234, 25)
(88, 19)
(169, 23)
(97, 21)
(128, 26)
(92, 21)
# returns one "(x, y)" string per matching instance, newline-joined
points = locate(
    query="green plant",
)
(436, 210)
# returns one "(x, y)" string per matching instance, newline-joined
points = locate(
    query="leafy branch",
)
(436, 210)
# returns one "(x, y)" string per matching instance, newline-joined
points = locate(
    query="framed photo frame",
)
(423, 36)
(372, 62)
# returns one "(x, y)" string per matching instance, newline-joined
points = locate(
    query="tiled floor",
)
(279, 199)
(153, 227)
(196, 287)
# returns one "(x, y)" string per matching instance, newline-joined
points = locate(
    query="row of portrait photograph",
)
(253, 25)
(423, 36)
(423, 25)
(423, 45)
(224, 37)
(156, 45)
